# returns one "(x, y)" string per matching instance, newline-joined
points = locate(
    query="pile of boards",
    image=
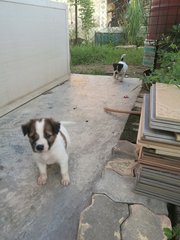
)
(158, 174)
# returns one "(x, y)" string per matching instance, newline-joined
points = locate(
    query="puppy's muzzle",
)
(40, 147)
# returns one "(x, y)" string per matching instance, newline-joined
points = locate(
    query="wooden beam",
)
(121, 111)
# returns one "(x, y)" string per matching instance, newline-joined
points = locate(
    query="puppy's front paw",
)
(65, 180)
(42, 180)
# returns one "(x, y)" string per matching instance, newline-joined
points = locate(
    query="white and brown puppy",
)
(120, 69)
(49, 141)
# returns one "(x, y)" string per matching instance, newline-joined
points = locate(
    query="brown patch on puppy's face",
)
(51, 129)
(30, 130)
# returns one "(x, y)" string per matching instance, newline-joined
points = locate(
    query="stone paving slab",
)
(102, 219)
(143, 224)
(122, 166)
(126, 149)
(121, 189)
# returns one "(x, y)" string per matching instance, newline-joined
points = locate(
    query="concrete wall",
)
(34, 49)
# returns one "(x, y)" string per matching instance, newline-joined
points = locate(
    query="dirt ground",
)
(102, 69)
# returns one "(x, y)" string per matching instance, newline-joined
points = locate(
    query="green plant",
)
(168, 59)
(171, 40)
(104, 54)
(172, 233)
(86, 14)
(169, 71)
(133, 22)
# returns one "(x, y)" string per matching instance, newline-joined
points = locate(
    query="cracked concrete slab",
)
(143, 224)
(29, 211)
(121, 189)
(102, 219)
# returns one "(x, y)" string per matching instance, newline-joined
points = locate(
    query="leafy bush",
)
(171, 233)
(169, 71)
(168, 58)
(86, 15)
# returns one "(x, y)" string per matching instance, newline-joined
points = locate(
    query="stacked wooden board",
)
(158, 174)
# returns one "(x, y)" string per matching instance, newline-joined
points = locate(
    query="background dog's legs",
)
(43, 173)
(64, 170)
(122, 77)
(114, 75)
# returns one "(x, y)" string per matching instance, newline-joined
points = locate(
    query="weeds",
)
(168, 59)
(88, 70)
(172, 233)
(169, 71)
(104, 54)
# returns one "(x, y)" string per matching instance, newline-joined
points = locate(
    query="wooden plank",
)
(155, 134)
(150, 195)
(161, 175)
(166, 152)
(140, 126)
(153, 191)
(157, 123)
(160, 146)
(158, 183)
(154, 144)
(161, 161)
(121, 111)
(161, 164)
(177, 135)
(167, 102)
(152, 153)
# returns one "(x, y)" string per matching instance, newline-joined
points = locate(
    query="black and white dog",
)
(120, 69)
(49, 141)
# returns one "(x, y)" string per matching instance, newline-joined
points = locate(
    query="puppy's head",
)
(42, 133)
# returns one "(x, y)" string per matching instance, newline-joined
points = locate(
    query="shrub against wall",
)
(85, 13)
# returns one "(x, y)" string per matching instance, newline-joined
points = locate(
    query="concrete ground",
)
(29, 211)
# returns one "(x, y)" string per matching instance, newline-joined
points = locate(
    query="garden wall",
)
(34, 50)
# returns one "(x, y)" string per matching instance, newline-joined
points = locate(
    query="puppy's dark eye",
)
(33, 136)
(48, 135)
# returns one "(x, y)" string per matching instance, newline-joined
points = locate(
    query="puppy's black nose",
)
(40, 147)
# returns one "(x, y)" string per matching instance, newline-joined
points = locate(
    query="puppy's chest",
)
(47, 158)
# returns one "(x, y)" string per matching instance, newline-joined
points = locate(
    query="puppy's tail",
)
(122, 57)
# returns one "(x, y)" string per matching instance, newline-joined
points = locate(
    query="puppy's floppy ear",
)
(25, 128)
(55, 126)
